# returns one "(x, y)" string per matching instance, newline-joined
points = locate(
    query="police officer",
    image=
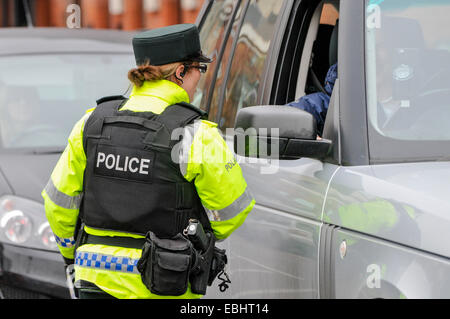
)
(147, 164)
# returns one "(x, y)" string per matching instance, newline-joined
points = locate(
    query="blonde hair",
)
(148, 72)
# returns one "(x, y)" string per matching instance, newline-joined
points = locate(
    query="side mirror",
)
(282, 132)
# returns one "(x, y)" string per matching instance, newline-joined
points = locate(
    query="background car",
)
(364, 212)
(49, 78)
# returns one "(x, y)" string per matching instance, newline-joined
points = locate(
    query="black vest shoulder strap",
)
(203, 114)
(107, 106)
(180, 115)
(173, 117)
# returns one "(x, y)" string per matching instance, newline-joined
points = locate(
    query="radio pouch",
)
(165, 264)
(218, 264)
(201, 269)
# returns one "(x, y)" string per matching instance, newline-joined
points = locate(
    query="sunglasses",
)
(202, 67)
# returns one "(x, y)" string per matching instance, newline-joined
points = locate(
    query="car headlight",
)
(23, 223)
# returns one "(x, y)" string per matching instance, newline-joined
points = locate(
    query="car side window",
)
(212, 34)
(249, 58)
(223, 64)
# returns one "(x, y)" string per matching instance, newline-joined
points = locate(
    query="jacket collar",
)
(165, 90)
(155, 96)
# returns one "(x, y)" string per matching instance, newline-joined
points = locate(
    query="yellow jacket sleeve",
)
(217, 176)
(64, 191)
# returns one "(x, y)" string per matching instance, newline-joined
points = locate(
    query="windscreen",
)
(43, 96)
(408, 77)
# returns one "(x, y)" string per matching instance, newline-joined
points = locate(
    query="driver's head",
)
(20, 104)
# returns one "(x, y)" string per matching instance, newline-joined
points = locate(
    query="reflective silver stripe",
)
(233, 209)
(188, 139)
(61, 199)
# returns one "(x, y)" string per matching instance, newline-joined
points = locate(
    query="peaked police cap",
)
(175, 43)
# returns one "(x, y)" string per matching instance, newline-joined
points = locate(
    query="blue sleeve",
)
(316, 104)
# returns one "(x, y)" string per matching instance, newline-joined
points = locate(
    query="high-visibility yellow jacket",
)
(205, 159)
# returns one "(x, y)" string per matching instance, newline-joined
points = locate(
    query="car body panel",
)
(63, 40)
(5, 188)
(275, 253)
(298, 188)
(40, 272)
(376, 268)
(272, 255)
(27, 173)
(402, 203)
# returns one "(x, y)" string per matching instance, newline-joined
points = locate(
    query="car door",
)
(275, 253)
(386, 219)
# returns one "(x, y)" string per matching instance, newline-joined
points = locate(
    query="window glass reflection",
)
(249, 58)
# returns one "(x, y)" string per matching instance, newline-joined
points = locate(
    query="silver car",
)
(363, 211)
(49, 78)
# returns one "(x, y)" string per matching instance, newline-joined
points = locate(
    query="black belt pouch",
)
(201, 271)
(165, 264)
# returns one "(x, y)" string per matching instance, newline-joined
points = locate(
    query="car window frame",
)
(348, 105)
(288, 64)
(265, 90)
(229, 64)
(202, 13)
(272, 56)
(351, 104)
(222, 48)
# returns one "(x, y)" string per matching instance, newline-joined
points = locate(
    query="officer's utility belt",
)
(126, 242)
(168, 265)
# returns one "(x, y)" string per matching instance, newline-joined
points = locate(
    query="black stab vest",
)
(131, 183)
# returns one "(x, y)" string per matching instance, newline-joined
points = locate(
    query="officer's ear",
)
(180, 72)
(183, 73)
